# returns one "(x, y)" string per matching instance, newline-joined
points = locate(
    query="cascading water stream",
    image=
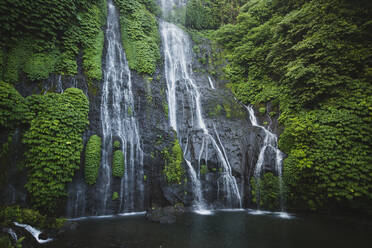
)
(119, 122)
(211, 83)
(270, 141)
(181, 85)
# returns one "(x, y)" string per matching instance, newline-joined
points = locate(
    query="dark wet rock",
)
(166, 215)
(68, 226)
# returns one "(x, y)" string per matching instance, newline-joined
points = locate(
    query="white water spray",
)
(119, 122)
(270, 141)
(181, 86)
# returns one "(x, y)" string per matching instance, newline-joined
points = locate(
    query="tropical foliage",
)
(54, 143)
(118, 164)
(313, 59)
(38, 38)
(173, 168)
(92, 159)
(140, 35)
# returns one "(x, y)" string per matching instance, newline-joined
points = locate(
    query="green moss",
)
(118, 164)
(115, 196)
(166, 109)
(216, 111)
(203, 169)
(130, 111)
(173, 169)
(227, 109)
(92, 159)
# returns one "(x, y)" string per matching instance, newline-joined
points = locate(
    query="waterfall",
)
(270, 141)
(34, 232)
(118, 118)
(183, 91)
(211, 83)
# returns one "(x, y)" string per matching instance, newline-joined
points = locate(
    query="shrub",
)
(140, 35)
(173, 168)
(115, 196)
(92, 159)
(28, 216)
(268, 189)
(13, 107)
(116, 145)
(203, 169)
(118, 164)
(262, 110)
(54, 143)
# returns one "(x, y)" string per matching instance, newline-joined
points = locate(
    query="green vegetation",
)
(29, 216)
(92, 159)
(173, 169)
(54, 143)
(116, 145)
(203, 169)
(140, 33)
(210, 14)
(115, 196)
(269, 191)
(5, 242)
(118, 164)
(40, 38)
(13, 107)
(14, 113)
(313, 59)
(262, 110)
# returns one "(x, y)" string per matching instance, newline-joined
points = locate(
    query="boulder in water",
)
(166, 215)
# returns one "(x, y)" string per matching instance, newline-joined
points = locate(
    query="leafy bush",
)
(210, 14)
(13, 107)
(54, 143)
(268, 190)
(116, 145)
(140, 35)
(115, 196)
(118, 164)
(173, 169)
(92, 159)
(203, 169)
(262, 110)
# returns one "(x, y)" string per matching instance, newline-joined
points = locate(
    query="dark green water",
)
(222, 229)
